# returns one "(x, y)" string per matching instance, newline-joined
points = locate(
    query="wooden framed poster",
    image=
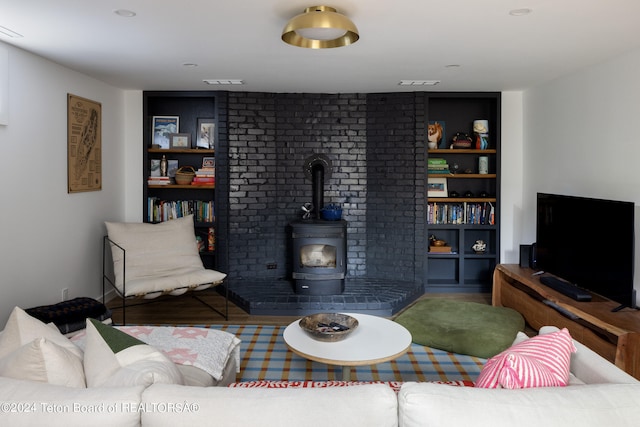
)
(84, 144)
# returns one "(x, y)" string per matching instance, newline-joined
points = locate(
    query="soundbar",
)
(566, 288)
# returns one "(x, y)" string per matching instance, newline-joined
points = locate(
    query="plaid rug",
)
(264, 356)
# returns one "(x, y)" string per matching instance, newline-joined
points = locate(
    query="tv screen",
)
(588, 242)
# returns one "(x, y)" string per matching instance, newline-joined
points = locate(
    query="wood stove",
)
(319, 256)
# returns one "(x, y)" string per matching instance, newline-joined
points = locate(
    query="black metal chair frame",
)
(111, 281)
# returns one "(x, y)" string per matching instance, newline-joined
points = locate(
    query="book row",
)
(165, 210)
(461, 213)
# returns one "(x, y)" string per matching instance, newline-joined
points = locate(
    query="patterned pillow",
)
(115, 359)
(541, 361)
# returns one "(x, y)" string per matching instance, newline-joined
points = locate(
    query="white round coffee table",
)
(374, 341)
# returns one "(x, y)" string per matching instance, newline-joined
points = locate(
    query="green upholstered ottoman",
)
(462, 327)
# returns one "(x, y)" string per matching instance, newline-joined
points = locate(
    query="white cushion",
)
(57, 406)
(32, 350)
(358, 406)
(160, 258)
(21, 329)
(44, 361)
(431, 405)
(115, 359)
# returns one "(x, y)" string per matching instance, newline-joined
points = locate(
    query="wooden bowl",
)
(329, 327)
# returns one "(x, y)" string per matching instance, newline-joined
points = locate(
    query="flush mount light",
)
(125, 13)
(418, 82)
(10, 33)
(520, 12)
(320, 27)
(224, 81)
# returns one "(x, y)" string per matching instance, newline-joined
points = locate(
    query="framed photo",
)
(84, 144)
(162, 127)
(208, 162)
(437, 187)
(206, 134)
(179, 140)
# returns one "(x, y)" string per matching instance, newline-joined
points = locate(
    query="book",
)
(203, 180)
(159, 180)
(440, 249)
(436, 161)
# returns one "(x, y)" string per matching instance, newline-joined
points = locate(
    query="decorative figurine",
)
(434, 135)
(481, 131)
(479, 247)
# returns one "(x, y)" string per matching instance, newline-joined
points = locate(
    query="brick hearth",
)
(369, 296)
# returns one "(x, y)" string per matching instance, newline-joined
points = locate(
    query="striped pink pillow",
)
(541, 361)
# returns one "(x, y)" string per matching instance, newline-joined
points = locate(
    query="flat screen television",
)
(588, 242)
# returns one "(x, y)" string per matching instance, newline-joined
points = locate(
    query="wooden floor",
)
(187, 310)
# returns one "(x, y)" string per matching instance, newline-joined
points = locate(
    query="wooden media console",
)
(613, 335)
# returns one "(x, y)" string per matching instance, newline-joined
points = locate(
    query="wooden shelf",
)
(462, 151)
(613, 335)
(182, 150)
(184, 187)
(462, 175)
(462, 199)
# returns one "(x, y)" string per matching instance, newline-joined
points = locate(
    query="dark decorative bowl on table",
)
(329, 327)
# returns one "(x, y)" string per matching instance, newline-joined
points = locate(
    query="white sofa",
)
(599, 394)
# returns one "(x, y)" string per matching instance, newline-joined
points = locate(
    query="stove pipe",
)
(317, 176)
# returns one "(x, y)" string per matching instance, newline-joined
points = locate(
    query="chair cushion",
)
(160, 258)
(462, 327)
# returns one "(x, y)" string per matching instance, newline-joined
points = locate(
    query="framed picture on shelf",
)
(206, 134)
(179, 140)
(162, 127)
(208, 162)
(437, 187)
(172, 167)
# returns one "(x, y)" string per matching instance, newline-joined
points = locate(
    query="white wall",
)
(581, 138)
(511, 149)
(50, 239)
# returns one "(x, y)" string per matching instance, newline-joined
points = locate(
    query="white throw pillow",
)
(159, 257)
(21, 329)
(44, 361)
(33, 350)
(115, 359)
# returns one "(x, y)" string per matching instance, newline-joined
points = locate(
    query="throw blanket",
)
(207, 349)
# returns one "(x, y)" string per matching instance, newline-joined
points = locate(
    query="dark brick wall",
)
(378, 165)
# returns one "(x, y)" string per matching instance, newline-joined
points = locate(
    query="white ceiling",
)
(400, 39)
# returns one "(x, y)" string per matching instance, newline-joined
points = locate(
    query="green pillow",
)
(462, 327)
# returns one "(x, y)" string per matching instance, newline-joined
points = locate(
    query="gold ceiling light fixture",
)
(320, 27)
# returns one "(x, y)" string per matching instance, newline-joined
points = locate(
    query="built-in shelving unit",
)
(197, 199)
(469, 211)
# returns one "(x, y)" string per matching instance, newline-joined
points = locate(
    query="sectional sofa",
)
(598, 394)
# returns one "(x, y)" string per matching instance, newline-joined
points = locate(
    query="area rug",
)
(462, 327)
(264, 356)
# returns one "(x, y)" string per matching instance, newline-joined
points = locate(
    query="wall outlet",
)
(272, 266)
(65, 294)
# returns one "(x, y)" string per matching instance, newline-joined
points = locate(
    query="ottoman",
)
(462, 327)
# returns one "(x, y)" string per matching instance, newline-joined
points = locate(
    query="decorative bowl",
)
(438, 243)
(330, 327)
